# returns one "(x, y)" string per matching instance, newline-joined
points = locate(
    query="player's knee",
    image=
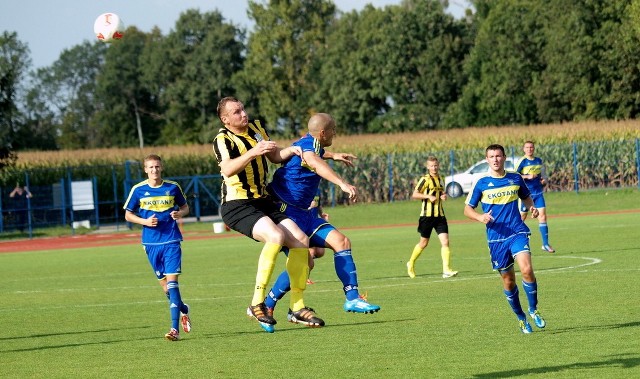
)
(318, 252)
(344, 243)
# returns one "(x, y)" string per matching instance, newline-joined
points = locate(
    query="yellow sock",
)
(298, 269)
(415, 254)
(446, 257)
(266, 263)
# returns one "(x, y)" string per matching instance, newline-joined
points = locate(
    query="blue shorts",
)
(165, 259)
(538, 202)
(503, 252)
(314, 226)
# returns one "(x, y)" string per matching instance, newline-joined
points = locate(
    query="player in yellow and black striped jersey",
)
(242, 150)
(430, 189)
(251, 182)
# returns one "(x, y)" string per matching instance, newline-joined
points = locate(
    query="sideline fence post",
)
(576, 177)
(115, 197)
(63, 201)
(452, 157)
(29, 216)
(390, 169)
(96, 202)
(71, 215)
(196, 192)
(1, 212)
(638, 161)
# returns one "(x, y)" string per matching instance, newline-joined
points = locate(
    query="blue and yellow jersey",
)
(145, 201)
(527, 166)
(295, 182)
(500, 196)
(431, 185)
(250, 183)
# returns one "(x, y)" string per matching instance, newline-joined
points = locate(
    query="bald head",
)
(319, 122)
(322, 127)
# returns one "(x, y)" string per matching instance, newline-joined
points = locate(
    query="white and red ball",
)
(108, 27)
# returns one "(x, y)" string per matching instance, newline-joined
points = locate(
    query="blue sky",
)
(49, 27)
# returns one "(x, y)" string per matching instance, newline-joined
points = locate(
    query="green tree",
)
(61, 99)
(353, 85)
(284, 56)
(190, 70)
(504, 64)
(123, 117)
(591, 62)
(14, 63)
(424, 62)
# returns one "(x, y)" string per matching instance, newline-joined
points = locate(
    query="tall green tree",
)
(504, 65)
(123, 118)
(424, 63)
(61, 99)
(283, 59)
(14, 63)
(190, 70)
(354, 86)
(591, 62)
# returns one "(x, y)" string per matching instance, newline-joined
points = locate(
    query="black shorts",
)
(427, 224)
(242, 215)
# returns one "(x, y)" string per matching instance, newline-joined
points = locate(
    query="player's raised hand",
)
(351, 190)
(345, 158)
(264, 147)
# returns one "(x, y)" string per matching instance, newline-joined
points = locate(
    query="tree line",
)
(404, 67)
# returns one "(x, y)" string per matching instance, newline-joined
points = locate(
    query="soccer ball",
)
(108, 27)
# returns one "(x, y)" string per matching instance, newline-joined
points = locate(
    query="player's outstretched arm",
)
(325, 171)
(280, 155)
(232, 166)
(345, 158)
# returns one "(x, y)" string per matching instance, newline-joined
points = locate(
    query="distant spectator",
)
(19, 195)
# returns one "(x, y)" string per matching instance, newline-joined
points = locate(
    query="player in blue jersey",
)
(507, 235)
(157, 204)
(532, 170)
(295, 184)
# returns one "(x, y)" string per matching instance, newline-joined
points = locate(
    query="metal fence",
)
(94, 196)
(79, 199)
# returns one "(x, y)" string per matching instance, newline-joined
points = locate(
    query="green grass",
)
(99, 313)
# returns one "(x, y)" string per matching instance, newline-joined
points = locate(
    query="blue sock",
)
(183, 308)
(279, 289)
(346, 271)
(513, 297)
(531, 289)
(175, 303)
(544, 232)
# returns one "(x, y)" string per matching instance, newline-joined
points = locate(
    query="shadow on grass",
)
(302, 328)
(623, 362)
(633, 324)
(68, 333)
(37, 348)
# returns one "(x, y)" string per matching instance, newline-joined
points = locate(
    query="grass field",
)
(98, 312)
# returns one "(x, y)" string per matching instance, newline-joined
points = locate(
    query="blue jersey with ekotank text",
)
(534, 166)
(500, 197)
(146, 201)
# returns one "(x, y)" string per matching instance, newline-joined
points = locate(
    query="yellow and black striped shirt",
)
(251, 182)
(433, 186)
